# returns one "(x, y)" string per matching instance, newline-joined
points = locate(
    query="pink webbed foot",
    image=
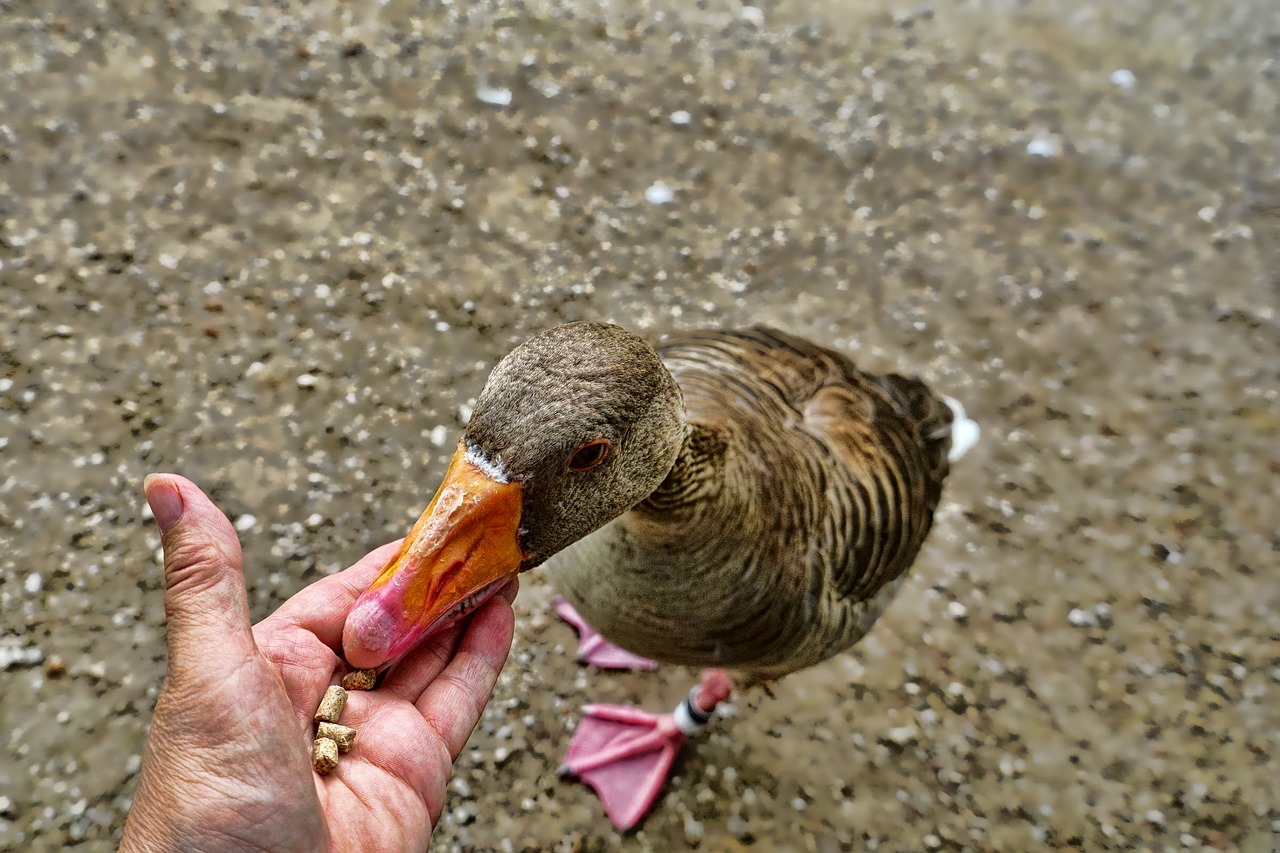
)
(593, 648)
(625, 753)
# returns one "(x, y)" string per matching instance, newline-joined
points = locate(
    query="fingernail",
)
(165, 500)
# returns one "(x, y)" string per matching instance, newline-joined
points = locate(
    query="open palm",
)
(228, 766)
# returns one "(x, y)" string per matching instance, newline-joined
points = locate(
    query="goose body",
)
(802, 493)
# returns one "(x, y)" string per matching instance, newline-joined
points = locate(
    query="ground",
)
(277, 249)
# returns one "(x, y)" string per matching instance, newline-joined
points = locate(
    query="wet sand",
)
(278, 252)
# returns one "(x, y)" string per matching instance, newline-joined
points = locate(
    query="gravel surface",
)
(278, 249)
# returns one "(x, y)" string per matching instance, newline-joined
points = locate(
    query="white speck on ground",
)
(658, 193)
(1124, 78)
(494, 96)
(1044, 146)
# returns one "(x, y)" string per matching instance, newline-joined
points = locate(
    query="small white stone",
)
(308, 380)
(315, 520)
(246, 522)
(1207, 214)
(439, 435)
(1043, 146)
(494, 95)
(34, 583)
(753, 15)
(1123, 78)
(21, 656)
(957, 611)
(323, 291)
(5, 384)
(1081, 618)
(1155, 816)
(903, 735)
(659, 193)
(681, 117)
(168, 261)
(213, 288)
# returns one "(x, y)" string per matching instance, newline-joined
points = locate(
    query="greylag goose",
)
(739, 501)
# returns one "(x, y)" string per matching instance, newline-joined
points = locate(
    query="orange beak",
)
(463, 549)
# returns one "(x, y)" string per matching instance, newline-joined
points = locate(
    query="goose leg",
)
(593, 648)
(625, 753)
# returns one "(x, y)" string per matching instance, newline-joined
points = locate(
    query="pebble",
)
(1044, 146)
(659, 193)
(1081, 618)
(494, 96)
(246, 522)
(1124, 78)
(33, 584)
(20, 656)
(903, 735)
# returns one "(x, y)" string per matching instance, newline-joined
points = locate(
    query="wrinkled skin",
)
(228, 760)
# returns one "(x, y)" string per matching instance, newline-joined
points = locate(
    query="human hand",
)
(227, 764)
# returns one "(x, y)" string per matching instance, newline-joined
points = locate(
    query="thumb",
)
(205, 603)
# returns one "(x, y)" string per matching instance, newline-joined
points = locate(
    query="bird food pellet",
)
(324, 755)
(361, 679)
(335, 699)
(343, 736)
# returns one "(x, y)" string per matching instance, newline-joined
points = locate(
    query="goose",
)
(745, 502)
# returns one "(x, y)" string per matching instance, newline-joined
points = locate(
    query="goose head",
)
(572, 429)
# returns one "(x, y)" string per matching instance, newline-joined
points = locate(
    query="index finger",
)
(322, 608)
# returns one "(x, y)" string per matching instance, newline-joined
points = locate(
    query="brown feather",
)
(802, 495)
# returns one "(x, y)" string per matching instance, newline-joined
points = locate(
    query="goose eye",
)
(589, 455)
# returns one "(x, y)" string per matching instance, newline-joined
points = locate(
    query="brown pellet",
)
(335, 699)
(343, 736)
(324, 755)
(361, 679)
